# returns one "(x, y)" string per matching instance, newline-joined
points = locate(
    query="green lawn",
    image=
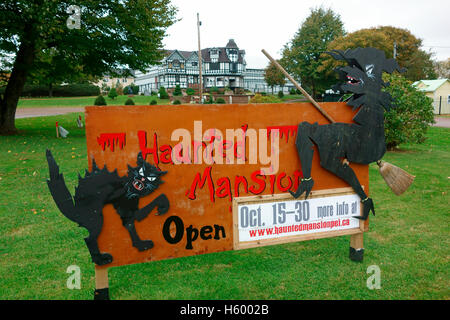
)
(84, 101)
(408, 238)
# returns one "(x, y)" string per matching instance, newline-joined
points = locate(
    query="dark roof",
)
(185, 54)
(223, 57)
(121, 73)
(232, 45)
(205, 55)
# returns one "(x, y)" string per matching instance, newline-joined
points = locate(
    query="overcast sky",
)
(270, 24)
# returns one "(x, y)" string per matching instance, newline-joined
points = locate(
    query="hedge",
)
(70, 90)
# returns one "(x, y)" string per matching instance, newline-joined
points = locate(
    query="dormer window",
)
(232, 55)
(214, 53)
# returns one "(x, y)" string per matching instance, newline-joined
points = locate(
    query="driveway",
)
(41, 112)
(443, 122)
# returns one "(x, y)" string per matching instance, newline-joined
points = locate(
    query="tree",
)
(111, 34)
(303, 55)
(100, 101)
(112, 93)
(177, 91)
(411, 115)
(163, 93)
(119, 88)
(417, 62)
(442, 69)
(273, 76)
(131, 89)
(53, 68)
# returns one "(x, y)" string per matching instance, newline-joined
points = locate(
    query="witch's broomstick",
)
(396, 178)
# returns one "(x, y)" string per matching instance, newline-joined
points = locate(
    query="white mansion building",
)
(221, 67)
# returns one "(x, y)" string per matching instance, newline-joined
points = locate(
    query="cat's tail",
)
(59, 191)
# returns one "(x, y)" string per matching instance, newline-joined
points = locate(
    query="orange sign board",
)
(201, 183)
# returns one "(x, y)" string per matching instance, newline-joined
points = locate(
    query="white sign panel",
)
(263, 220)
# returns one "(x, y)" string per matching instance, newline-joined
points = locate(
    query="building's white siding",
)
(223, 67)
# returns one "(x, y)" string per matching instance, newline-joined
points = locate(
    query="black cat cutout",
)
(101, 187)
(362, 142)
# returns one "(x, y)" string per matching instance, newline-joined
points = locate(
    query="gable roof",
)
(193, 56)
(223, 57)
(429, 85)
(178, 54)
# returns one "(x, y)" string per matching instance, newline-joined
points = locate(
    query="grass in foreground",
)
(408, 239)
(86, 101)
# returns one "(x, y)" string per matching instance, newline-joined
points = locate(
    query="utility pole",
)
(200, 89)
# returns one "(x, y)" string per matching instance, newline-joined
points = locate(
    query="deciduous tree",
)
(51, 68)
(111, 34)
(442, 69)
(303, 55)
(412, 114)
(417, 62)
(273, 76)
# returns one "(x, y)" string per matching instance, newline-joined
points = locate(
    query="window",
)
(448, 99)
(233, 55)
(214, 53)
(214, 66)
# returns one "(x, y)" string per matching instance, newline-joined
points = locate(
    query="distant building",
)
(222, 67)
(254, 80)
(439, 91)
(123, 78)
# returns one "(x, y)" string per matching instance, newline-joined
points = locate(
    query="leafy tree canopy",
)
(51, 68)
(303, 55)
(273, 76)
(409, 55)
(112, 93)
(112, 34)
(411, 116)
(442, 69)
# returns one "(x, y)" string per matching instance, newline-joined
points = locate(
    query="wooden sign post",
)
(229, 172)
